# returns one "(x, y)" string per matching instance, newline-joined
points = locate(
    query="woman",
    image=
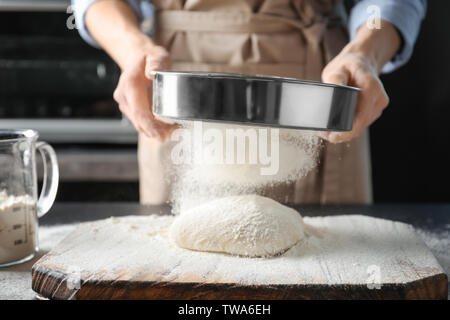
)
(299, 38)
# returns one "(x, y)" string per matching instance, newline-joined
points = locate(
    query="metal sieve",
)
(254, 100)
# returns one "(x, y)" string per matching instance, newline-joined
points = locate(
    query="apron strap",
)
(232, 21)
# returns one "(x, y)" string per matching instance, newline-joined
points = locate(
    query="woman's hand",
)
(358, 65)
(133, 91)
(354, 69)
(116, 28)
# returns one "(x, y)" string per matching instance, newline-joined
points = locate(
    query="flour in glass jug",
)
(18, 224)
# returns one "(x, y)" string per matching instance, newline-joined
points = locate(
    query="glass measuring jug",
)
(20, 206)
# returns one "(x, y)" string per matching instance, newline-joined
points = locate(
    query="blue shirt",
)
(405, 15)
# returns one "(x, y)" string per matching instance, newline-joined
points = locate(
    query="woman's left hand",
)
(358, 65)
(353, 68)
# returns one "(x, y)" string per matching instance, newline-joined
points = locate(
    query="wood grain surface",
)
(343, 257)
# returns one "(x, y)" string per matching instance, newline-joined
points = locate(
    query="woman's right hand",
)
(133, 92)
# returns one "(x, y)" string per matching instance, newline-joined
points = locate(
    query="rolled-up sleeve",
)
(142, 8)
(405, 15)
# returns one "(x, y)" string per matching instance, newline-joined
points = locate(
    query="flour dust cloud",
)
(196, 181)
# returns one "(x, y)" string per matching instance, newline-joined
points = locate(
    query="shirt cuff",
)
(404, 15)
(144, 11)
(80, 8)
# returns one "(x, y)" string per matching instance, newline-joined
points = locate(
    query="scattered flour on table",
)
(15, 280)
(15, 283)
(337, 250)
(439, 243)
(17, 227)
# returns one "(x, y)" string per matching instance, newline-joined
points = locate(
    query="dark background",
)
(410, 142)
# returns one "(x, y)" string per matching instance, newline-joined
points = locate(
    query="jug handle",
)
(50, 178)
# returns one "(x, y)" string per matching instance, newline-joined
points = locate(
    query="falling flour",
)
(200, 181)
(17, 227)
(222, 169)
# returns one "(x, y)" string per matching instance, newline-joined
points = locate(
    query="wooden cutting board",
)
(342, 257)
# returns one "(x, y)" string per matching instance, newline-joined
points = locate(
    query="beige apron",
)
(267, 37)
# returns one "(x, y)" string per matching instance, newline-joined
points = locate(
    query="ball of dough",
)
(247, 225)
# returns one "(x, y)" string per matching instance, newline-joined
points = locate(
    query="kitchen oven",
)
(53, 82)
